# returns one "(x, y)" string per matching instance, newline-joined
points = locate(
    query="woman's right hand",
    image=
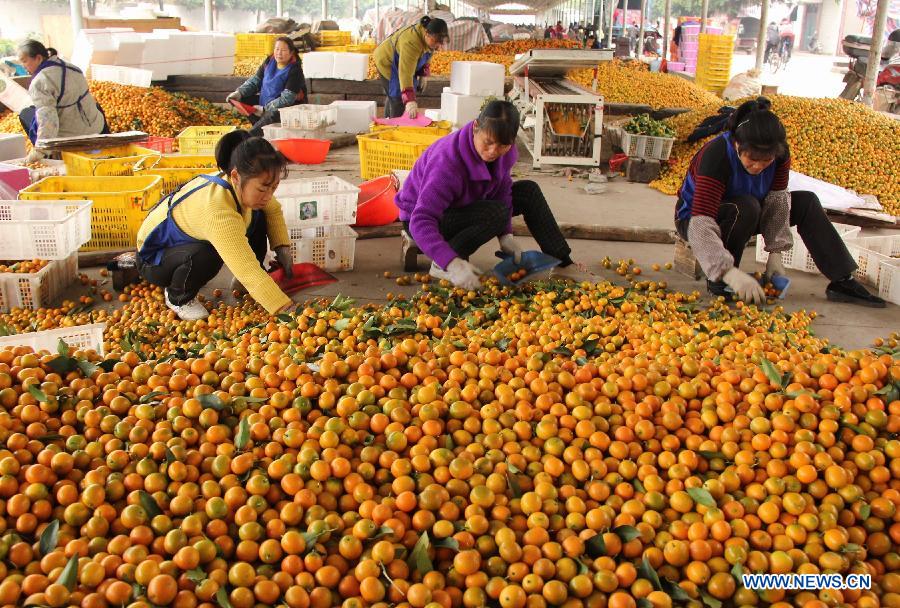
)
(464, 274)
(235, 96)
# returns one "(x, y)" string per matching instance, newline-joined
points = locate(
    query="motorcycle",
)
(857, 49)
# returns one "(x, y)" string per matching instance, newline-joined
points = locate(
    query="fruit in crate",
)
(565, 122)
(24, 266)
(642, 124)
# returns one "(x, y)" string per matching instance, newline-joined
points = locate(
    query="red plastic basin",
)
(304, 151)
(376, 206)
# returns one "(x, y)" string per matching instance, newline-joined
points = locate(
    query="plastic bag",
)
(743, 85)
(7, 192)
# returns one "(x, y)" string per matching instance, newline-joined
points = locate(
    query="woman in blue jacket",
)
(278, 83)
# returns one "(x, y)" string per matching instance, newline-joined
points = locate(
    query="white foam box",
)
(160, 55)
(318, 65)
(12, 146)
(353, 116)
(135, 77)
(223, 53)
(196, 48)
(96, 46)
(460, 109)
(477, 78)
(351, 66)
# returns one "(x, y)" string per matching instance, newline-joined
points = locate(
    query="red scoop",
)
(244, 108)
(305, 276)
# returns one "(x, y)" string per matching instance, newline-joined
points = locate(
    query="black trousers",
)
(468, 228)
(393, 106)
(269, 117)
(185, 269)
(739, 220)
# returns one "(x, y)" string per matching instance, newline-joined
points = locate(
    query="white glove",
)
(34, 156)
(745, 287)
(463, 274)
(258, 110)
(508, 245)
(412, 109)
(775, 266)
(235, 96)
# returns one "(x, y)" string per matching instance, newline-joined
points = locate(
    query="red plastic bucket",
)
(304, 151)
(376, 206)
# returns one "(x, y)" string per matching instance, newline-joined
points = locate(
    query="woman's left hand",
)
(775, 266)
(258, 110)
(509, 246)
(34, 156)
(283, 255)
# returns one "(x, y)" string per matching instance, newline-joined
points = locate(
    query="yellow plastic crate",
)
(442, 127)
(201, 141)
(334, 38)
(120, 204)
(382, 152)
(365, 47)
(116, 160)
(254, 45)
(175, 169)
(343, 48)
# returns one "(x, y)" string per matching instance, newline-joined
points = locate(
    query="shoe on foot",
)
(237, 286)
(717, 288)
(852, 292)
(439, 273)
(190, 311)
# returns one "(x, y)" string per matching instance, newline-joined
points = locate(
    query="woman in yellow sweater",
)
(219, 219)
(402, 59)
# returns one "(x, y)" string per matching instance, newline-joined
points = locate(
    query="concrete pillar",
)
(640, 44)
(207, 14)
(324, 10)
(356, 9)
(77, 16)
(279, 8)
(377, 14)
(874, 65)
(666, 32)
(704, 11)
(594, 13)
(761, 35)
(610, 43)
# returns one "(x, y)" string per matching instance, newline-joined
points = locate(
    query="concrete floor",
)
(623, 204)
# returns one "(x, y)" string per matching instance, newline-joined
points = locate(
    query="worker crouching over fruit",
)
(219, 219)
(736, 187)
(63, 105)
(460, 195)
(403, 59)
(278, 83)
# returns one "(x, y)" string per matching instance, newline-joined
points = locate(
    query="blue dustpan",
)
(534, 262)
(780, 282)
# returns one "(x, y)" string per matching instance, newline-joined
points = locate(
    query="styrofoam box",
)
(50, 230)
(350, 66)
(477, 78)
(434, 115)
(12, 146)
(353, 116)
(160, 55)
(135, 77)
(223, 53)
(79, 337)
(460, 109)
(318, 65)
(317, 201)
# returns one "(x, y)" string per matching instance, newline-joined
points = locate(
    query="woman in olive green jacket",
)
(403, 58)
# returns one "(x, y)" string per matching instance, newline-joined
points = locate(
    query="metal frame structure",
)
(540, 88)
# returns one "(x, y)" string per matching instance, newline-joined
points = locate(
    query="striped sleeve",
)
(782, 171)
(711, 174)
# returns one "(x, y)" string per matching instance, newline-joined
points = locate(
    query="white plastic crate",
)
(798, 258)
(80, 337)
(317, 201)
(869, 252)
(39, 289)
(49, 230)
(47, 168)
(889, 281)
(276, 131)
(331, 248)
(307, 117)
(646, 146)
(477, 78)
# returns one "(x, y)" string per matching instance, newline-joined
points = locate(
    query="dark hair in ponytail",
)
(250, 156)
(501, 120)
(758, 131)
(33, 48)
(435, 27)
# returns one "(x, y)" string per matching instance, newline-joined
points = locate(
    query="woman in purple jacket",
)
(460, 195)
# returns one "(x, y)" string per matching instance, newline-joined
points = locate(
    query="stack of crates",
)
(334, 41)
(46, 231)
(689, 49)
(254, 45)
(714, 62)
(319, 212)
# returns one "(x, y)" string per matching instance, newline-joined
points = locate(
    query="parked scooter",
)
(857, 48)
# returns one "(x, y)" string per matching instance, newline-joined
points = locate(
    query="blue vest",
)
(273, 81)
(167, 234)
(739, 183)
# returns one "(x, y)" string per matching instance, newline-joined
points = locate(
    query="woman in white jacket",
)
(63, 105)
